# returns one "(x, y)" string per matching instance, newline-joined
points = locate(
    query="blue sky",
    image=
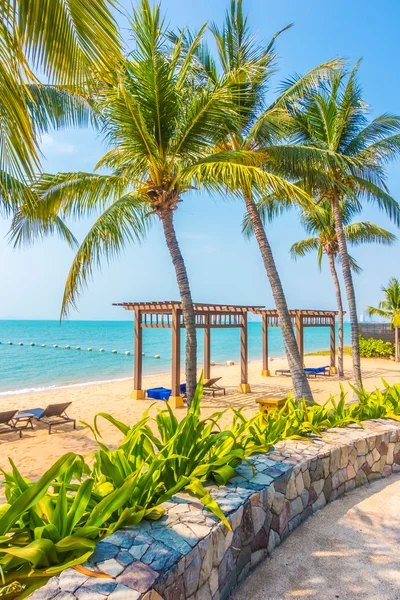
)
(222, 266)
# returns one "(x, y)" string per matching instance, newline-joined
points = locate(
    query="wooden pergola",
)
(168, 314)
(300, 320)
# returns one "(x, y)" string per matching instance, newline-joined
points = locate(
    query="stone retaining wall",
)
(189, 554)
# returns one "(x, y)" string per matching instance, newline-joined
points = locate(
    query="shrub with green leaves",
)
(54, 523)
(371, 348)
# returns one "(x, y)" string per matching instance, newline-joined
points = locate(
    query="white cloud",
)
(50, 145)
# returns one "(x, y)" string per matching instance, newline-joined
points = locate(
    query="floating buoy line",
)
(68, 347)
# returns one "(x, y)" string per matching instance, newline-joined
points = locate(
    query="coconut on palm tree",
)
(334, 120)
(389, 308)
(320, 223)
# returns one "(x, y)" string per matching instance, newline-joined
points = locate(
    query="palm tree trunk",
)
(340, 313)
(348, 282)
(300, 381)
(396, 344)
(187, 303)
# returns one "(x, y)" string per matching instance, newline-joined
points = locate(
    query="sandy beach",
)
(36, 451)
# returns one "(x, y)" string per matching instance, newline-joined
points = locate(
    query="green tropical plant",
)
(389, 308)
(183, 453)
(320, 222)
(334, 120)
(260, 132)
(69, 41)
(370, 348)
(54, 523)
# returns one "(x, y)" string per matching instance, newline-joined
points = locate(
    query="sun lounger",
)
(282, 372)
(7, 425)
(54, 414)
(325, 371)
(210, 385)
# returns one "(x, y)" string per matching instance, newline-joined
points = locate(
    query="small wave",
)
(34, 390)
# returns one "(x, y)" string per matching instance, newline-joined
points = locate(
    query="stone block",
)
(260, 541)
(122, 592)
(387, 470)
(326, 466)
(204, 593)
(296, 507)
(247, 525)
(243, 558)
(191, 575)
(361, 477)
(283, 518)
(273, 541)
(350, 472)
(378, 466)
(214, 583)
(138, 576)
(258, 516)
(218, 546)
(278, 503)
(257, 557)
(306, 479)
(353, 454)
(344, 457)
(350, 485)
(305, 497)
(175, 591)
(338, 478)
(291, 490)
(299, 483)
(390, 454)
(362, 447)
(334, 461)
(225, 569)
(319, 503)
(318, 486)
(236, 518)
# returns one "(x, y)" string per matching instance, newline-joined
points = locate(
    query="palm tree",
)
(320, 223)
(161, 120)
(66, 40)
(259, 131)
(389, 308)
(334, 119)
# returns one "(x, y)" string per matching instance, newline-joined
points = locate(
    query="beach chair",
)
(7, 424)
(282, 372)
(210, 385)
(54, 414)
(324, 371)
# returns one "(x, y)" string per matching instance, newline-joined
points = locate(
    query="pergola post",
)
(207, 348)
(333, 345)
(265, 371)
(176, 400)
(244, 386)
(300, 335)
(137, 392)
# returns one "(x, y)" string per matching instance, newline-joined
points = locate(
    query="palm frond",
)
(366, 232)
(66, 39)
(124, 221)
(303, 247)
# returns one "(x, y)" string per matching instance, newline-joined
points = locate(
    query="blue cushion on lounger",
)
(182, 388)
(159, 393)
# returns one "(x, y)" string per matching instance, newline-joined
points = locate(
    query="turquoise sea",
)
(33, 368)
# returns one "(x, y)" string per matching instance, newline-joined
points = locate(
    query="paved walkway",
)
(348, 551)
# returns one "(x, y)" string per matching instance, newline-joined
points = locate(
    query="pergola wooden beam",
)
(300, 320)
(168, 315)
